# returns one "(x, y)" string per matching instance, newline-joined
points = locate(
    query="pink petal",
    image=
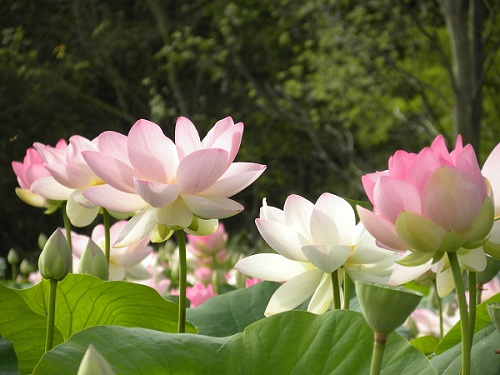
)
(452, 199)
(112, 199)
(113, 144)
(113, 171)
(230, 140)
(393, 196)
(235, 179)
(156, 194)
(467, 163)
(369, 182)
(217, 130)
(400, 163)
(201, 169)
(49, 188)
(69, 176)
(151, 153)
(383, 230)
(422, 167)
(212, 207)
(187, 138)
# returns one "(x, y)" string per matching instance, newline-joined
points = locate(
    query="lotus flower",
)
(31, 170)
(69, 176)
(185, 185)
(312, 241)
(429, 203)
(206, 246)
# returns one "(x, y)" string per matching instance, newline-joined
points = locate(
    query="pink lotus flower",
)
(69, 176)
(28, 172)
(206, 246)
(429, 203)
(179, 186)
(199, 293)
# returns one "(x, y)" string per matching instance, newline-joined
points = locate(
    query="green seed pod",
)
(93, 262)
(385, 307)
(56, 259)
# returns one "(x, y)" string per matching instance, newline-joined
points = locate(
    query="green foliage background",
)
(327, 89)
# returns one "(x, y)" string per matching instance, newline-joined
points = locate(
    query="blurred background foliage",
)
(327, 89)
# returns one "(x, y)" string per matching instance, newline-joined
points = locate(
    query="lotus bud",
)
(55, 261)
(93, 363)
(93, 262)
(494, 313)
(42, 240)
(386, 307)
(13, 257)
(26, 267)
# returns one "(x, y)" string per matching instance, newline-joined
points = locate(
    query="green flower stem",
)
(336, 290)
(440, 310)
(107, 235)
(51, 314)
(15, 272)
(464, 316)
(472, 302)
(347, 290)
(378, 353)
(67, 227)
(181, 241)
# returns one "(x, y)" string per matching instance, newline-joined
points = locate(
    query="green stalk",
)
(107, 235)
(67, 227)
(464, 316)
(336, 290)
(347, 290)
(440, 310)
(181, 241)
(472, 302)
(479, 293)
(378, 353)
(51, 314)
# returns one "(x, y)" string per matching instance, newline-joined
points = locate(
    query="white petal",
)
(282, 239)
(322, 298)
(326, 257)
(49, 188)
(116, 272)
(332, 221)
(271, 267)
(474, 260)
(80, 216)
(402, 274)
(271, 213)
(298, 212)
(294, 292)
(115, 200)
(175, 215)
(444, 280)
(137, 272)
(137, 228)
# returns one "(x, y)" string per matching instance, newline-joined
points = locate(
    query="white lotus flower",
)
(312, 241)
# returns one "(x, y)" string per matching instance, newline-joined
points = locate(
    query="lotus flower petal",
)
(327, 257)
(282, 239)
(187, 138)
(201, 169)
(474, 260)
(137, 228)
(237, 177)
(294, 292)
(332, 220)
(402, 274)
(271, 267)
(111, 170)
(157, 194)
(383, 230)
(323, 296)
(298, 212)
(112, 199)
(149, 150)
(393, 196)
(49, 188)
(177, 215)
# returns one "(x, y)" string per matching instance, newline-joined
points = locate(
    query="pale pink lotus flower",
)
(28, 172)
(203, 275)
(312, 241)
(427, 322)
(252, 281)
(430, 203)
(209, 245)
(124, 262)
(157, 280)
(69, 176)
(185, 185)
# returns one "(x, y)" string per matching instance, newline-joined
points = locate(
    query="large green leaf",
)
(483, 357)
(25, 328)
(454, 336)
(232, 312)
(85, 301)
(8, 363)
(295, 342)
